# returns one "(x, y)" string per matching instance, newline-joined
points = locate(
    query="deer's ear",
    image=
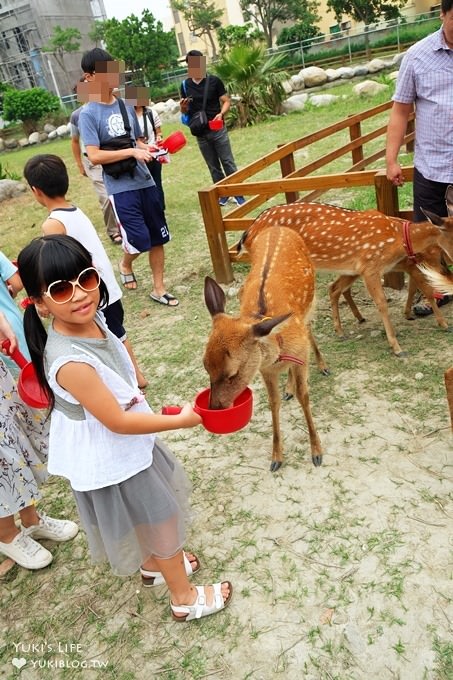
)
(265, 327)
(214, 297)
(433, 218)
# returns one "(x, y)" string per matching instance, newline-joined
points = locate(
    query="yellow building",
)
(328, 23)
(232, 16)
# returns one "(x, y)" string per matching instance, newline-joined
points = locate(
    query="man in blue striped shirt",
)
(425, 80)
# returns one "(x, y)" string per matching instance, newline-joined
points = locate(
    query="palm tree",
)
(248, 73)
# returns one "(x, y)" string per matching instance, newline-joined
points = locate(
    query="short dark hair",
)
(92, 57)
(446, 5)
(193, 53)
(47, 173)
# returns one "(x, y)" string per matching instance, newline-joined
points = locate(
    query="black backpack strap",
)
(123, 111)
(205, 94)
(145, 122)
(149, 114)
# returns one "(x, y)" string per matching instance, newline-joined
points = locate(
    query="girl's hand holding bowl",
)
(190, 418)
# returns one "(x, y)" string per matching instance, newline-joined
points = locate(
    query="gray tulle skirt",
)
(145, 515)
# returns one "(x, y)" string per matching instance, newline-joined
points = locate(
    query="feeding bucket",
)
(30, 391)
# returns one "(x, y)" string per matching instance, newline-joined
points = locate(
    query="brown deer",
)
(360, 243)
(445, 286)
(278, 293)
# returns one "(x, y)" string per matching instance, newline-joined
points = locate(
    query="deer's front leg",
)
(271, 381)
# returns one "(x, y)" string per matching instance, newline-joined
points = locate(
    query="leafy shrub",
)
(29, 106)
(6, 173)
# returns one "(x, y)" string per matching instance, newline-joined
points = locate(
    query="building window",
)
(20, 39)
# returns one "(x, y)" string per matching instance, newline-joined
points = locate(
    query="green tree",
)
(367, 11)
(97, 32)
(143, 45)
(248, 73)
(29, 106)
(62, 41)
(265, 13)
(229, 36)
(300, 31)
(202, 17)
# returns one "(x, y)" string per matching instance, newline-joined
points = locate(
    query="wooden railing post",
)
(287, 166)
(387, 203)
(215, 233)
(355, 131)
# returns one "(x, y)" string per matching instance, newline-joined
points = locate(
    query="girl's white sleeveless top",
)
(81, 448)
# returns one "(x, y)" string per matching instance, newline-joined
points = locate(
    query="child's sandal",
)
(155, 578)
(200, 607)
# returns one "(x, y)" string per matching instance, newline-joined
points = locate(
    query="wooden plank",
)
(288, 167)
(280, 186)
(387, 202)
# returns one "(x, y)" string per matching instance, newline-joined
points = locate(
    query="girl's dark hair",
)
(45, 260)
(48, 173)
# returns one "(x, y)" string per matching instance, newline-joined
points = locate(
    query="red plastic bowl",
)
(174, 142)
(221, 421)
(30, 391)
(226, 420)
(215, 124)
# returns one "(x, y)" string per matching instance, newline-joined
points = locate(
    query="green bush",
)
(29, 106)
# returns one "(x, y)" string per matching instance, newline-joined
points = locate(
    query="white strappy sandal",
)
(151, 579)
(200, 607)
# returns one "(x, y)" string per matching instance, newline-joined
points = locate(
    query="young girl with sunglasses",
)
(130, 491)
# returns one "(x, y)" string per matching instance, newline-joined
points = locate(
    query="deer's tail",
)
(441, 283)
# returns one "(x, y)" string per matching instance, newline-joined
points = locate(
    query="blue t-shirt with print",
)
(99, 124)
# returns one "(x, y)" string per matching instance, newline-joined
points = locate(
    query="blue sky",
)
(120, 9)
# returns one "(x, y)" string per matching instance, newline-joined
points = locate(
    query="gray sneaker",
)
(26, 552)
(54, 529)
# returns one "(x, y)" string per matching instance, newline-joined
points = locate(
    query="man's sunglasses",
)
(63, 291)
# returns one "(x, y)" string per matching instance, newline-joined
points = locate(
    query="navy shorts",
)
(141, 218)
(114, 317)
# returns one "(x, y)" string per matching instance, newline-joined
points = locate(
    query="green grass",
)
(366, 536)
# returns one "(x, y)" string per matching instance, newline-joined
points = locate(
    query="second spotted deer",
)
(356, 243)
(271, 334)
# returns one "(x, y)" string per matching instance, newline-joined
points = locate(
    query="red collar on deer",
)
(407, 242)
(287, 357)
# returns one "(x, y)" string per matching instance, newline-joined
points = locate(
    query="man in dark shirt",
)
(214, 144)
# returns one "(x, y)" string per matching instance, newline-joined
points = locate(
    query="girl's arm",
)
(14, 284)
(85, 385)
(6, 333)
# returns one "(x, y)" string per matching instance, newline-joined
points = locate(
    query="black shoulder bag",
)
(198, 122)
(127, 165)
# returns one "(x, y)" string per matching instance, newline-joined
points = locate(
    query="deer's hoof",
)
(410, 317)
(317, 460)
(362, 320)
(402, 354)
(275, 465)
(342, 338)
(325, 371)
(449, 329)
(287, 396)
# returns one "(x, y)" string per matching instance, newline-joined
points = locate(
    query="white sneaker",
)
(54, 529)
(26, 552)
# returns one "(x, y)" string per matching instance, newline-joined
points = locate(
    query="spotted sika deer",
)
(362, 243)
(278, 293)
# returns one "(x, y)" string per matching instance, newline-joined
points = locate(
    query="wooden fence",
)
(294, 180)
